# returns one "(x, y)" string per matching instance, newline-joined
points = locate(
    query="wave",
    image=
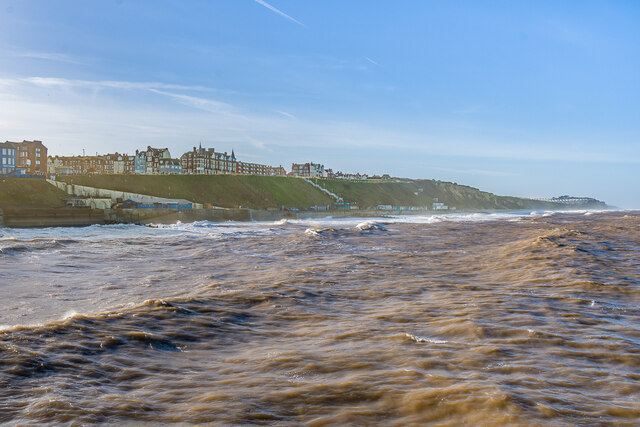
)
(239, 229)
(14, 246)
(70, 317)
(313, 232)
(371, 226)
(381, 223)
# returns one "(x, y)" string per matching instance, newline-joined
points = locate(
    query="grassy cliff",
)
(229, 191)
(261, 192)
(30, 193)
(423, 193)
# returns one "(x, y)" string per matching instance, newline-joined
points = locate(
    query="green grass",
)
(229, 191)
(262, 192)
(369, 194)
(30, 192)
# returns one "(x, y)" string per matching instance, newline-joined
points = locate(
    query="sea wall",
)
(101, 193)
(84, 216)
(55, 217)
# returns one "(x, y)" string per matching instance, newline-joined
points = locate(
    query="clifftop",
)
(264, 192)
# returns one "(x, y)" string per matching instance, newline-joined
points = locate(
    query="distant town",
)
(31, 158)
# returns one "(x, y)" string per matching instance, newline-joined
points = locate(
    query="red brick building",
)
(203, 161)
(31, 156)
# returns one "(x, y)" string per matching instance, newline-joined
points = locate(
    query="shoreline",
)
(15, 217)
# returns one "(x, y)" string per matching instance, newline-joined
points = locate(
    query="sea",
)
(522, 318)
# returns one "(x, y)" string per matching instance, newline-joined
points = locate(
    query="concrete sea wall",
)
(78, 217)
(101, 193)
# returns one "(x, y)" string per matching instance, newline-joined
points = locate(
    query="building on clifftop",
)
(8, 158)
(30, 156)
(170, 167)
(148, 162)
(201, 161)
(308, 170)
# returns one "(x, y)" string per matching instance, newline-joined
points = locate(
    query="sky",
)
(526, 98)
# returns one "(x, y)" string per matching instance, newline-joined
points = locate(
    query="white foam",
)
(420, 339)
(311, 232)
(69, 315)
(370, 225)
(214, 230)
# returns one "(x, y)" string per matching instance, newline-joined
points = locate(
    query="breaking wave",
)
(401, 321)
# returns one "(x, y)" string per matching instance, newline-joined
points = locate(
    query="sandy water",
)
(482, 319)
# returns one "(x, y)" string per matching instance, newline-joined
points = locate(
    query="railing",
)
(319, 187)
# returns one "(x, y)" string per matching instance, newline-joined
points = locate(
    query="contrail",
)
(279, 12)
(284, 113)
(371, 60)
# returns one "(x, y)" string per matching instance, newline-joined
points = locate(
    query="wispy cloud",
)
(475, 171)
(371, 60)
(69, 115)
(257, 143)
(278, 11)
(112, 84)
(199, 103)
(164, 89)
(7, 82)
(51, 56)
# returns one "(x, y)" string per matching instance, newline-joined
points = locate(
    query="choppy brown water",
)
(522, 320)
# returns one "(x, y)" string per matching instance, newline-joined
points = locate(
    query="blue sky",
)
(519, 98)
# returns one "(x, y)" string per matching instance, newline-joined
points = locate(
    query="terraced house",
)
(7, 158)
(170, 167)
(99, 164)
(30, 156)
(206, 161)
(308, 170)
(148, 162)
(124, 164)
(244, 168)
